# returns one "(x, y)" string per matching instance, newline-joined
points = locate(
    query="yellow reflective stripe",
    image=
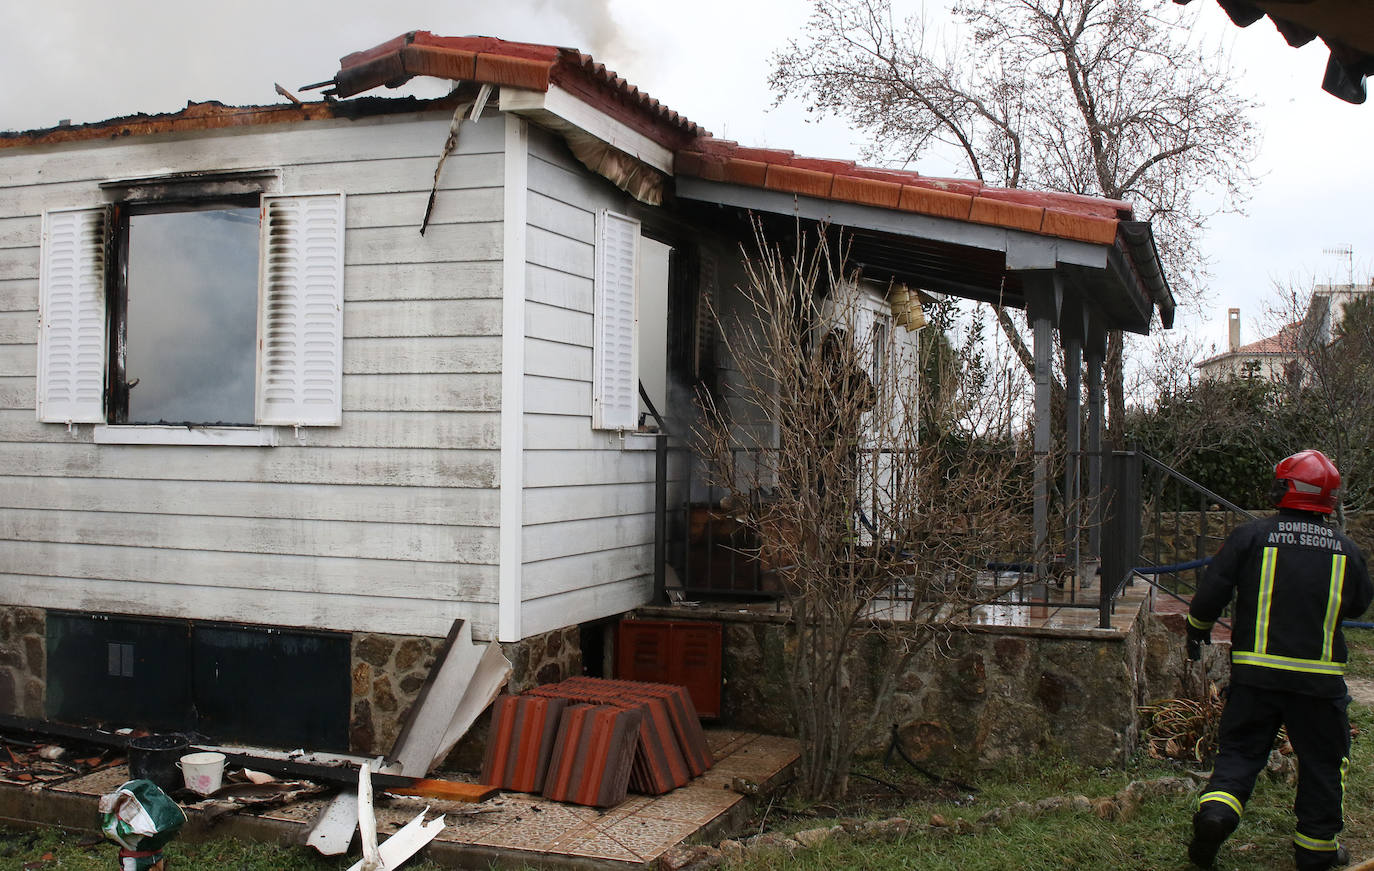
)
(1318, 844)
(1345, 769)
(1225, 798)
(1333, 604)
(1266, 595)
(1198, 624)
(1286, 663)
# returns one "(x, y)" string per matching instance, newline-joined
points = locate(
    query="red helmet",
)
(1307, 481)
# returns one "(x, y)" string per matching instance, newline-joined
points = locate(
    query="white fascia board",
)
(1026, 250)
(558, 104)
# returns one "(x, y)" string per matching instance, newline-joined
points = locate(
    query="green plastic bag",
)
(141, 819)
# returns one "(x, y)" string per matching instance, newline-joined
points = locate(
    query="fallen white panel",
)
(334, 827)
(367, 820)
(407, 842)
(428, 722)
(493, 670)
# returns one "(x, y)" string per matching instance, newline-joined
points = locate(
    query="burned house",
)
(286, 390)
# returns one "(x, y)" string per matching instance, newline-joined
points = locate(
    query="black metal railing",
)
(1162, 528)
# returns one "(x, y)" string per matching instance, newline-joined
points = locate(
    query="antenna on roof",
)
(1347, 251)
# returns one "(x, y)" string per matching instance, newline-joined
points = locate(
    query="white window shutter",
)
(300, 332)
(615, 387)
(71, 316)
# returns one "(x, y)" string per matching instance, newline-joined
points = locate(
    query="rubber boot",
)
(1311, 860)
(1212, 825)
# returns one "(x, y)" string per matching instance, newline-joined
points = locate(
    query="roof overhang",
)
(1346, 26)
(1121, 282)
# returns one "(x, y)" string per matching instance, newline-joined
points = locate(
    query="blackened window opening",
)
(184, 313)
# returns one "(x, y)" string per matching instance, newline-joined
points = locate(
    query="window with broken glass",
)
(193, 301)
(184, 314)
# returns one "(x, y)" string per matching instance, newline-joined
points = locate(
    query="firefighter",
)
(1294, 577)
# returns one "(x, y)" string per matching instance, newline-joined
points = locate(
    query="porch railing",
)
(1162, 528)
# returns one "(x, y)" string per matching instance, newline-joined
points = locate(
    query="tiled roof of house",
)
(539, 67)
(1087, 219)
(1284, 343)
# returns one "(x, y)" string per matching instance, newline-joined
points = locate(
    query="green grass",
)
(74, 851)
(1153, 839)
(1361, 644)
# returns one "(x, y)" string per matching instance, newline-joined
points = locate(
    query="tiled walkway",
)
(527, 828)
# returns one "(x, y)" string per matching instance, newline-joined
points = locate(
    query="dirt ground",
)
(1361, 690)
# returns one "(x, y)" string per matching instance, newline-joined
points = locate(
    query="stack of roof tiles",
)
(593, 755)
(588, 760)
(523, 729)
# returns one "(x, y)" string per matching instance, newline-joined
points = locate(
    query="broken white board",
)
(334, 827)
(432, 719)
(406, 842)
(493, 670)
(367, 820)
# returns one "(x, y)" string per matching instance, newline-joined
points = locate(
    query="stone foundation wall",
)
(389, 670)
(981, 697)
(387, 673)
(23, 660)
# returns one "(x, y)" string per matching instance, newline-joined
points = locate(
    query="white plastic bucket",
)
(203, 772)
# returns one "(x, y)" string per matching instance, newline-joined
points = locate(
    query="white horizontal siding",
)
(588, 508)
(404, 506)
(386, 523)
(583, 603)
(373, 610)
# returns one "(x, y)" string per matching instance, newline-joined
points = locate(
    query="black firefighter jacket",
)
(1295, 578)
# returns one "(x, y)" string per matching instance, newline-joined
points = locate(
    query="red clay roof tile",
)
(1081, 227)
(933, 201)
(870, 192)
(444, 63)
(749, 172)
(807, 182)
(1013, 216)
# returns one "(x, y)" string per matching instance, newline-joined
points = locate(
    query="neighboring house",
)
(274, 413)
(1269, 359)
(1278, 358)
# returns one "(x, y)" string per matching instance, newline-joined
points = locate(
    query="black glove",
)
(1196, 638)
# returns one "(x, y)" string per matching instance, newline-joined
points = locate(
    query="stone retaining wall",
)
(984, 694)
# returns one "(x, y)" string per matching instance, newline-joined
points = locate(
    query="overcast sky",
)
(709, 59)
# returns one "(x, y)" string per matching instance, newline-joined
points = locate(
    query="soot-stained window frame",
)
(117, 294)
(162, 194)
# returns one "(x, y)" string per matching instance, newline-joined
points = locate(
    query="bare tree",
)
(1330, 386)
(1096, 97)
(878, 538)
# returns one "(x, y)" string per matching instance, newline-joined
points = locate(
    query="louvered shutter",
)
(615, 387)
(71, 314)
(300, 334)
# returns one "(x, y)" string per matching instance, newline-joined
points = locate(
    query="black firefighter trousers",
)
(1319, 731)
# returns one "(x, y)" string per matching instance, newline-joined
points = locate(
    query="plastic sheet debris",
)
(141, 819)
